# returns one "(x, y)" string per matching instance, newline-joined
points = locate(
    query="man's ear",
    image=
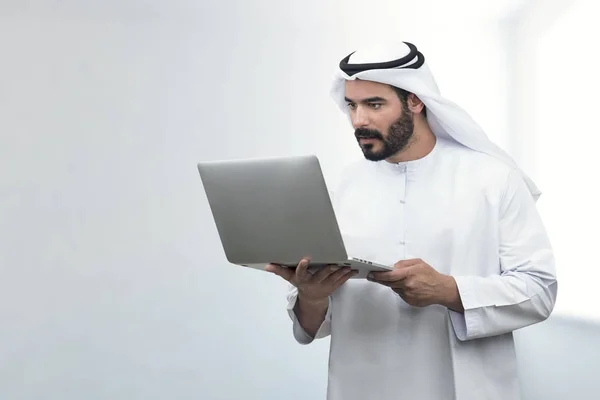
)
(415, 104)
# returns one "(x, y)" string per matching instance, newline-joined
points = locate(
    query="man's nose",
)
(359, 118)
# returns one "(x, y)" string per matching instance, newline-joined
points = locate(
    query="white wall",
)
(113, 283)
(554, 138)
(558, 359)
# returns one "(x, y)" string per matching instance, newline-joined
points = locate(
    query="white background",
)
(566, 150)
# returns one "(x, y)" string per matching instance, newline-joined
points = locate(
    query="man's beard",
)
(398, 137)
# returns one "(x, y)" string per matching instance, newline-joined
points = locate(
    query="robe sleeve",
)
(299, 333)
(524, 293)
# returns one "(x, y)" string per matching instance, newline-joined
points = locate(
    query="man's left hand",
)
(420, 285)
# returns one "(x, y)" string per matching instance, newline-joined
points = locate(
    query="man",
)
(455, 217)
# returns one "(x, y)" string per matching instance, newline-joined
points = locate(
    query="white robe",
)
(468, 215)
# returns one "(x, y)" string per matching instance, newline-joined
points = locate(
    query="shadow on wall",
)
(559, 359)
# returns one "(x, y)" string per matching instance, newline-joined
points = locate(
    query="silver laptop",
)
(276, 210)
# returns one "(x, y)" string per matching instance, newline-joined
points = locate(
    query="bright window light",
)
(566, 147)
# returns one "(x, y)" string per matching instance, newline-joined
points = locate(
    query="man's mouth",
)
(367, 139)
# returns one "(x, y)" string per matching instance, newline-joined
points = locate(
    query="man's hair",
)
(403, 96)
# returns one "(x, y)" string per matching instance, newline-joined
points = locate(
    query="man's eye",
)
(351, 106)
(375, 105)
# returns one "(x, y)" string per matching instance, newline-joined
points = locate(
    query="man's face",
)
(383, 124)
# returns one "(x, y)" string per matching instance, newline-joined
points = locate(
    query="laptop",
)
(277, 210)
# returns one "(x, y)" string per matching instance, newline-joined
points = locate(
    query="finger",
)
(335, 276)
(407, 263)
(390, 284)
(302, 274)
(344, 278)
(389, 276)
(283, 272)
(325, 273)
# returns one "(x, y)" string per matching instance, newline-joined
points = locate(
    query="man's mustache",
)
(363, 133)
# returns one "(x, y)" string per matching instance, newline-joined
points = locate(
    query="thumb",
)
(407, 263)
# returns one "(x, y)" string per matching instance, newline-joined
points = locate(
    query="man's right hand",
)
(317, 287)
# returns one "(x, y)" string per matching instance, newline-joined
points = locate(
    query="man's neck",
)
(420, 145)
